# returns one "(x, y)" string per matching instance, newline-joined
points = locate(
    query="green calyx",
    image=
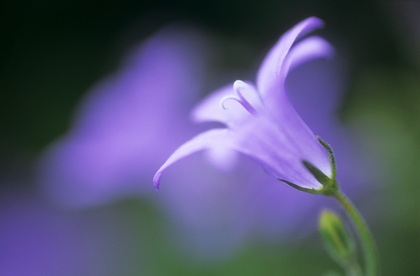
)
(329, 184)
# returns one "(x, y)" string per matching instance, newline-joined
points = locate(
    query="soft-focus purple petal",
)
(120, 134)
(208, 139)
(271, 72)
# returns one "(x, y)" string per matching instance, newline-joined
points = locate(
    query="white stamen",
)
(226, 98)
(247, 105)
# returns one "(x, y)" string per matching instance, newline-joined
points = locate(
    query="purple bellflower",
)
(118, 137)
(261, 123)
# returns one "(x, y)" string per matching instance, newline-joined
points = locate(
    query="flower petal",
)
(111, 148)
(280, 148)
(223, 157)
(208, 139)
(271, 68)
(308, 49)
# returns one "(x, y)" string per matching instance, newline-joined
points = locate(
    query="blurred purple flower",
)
(127, 126)
(261, 122)
(121, 131)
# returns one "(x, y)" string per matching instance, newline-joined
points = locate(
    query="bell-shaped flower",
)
(261, 123)
(118, 137)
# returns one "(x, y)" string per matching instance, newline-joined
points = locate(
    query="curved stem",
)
(368, 246)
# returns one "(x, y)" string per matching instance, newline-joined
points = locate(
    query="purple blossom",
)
(260, 121)
(121, 129)
(127, 125)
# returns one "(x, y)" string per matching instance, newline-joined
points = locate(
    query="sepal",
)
(329, 184)
(311, 191)
(330, 156)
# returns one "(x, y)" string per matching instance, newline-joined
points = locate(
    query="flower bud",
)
(336, 238)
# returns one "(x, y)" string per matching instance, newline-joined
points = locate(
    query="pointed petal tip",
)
(308, 49)
(308, 25)
(314, 21)
(156, 180)
(270, 70)
(200, 142)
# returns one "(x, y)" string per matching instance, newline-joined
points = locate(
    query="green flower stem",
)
(368, 246)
